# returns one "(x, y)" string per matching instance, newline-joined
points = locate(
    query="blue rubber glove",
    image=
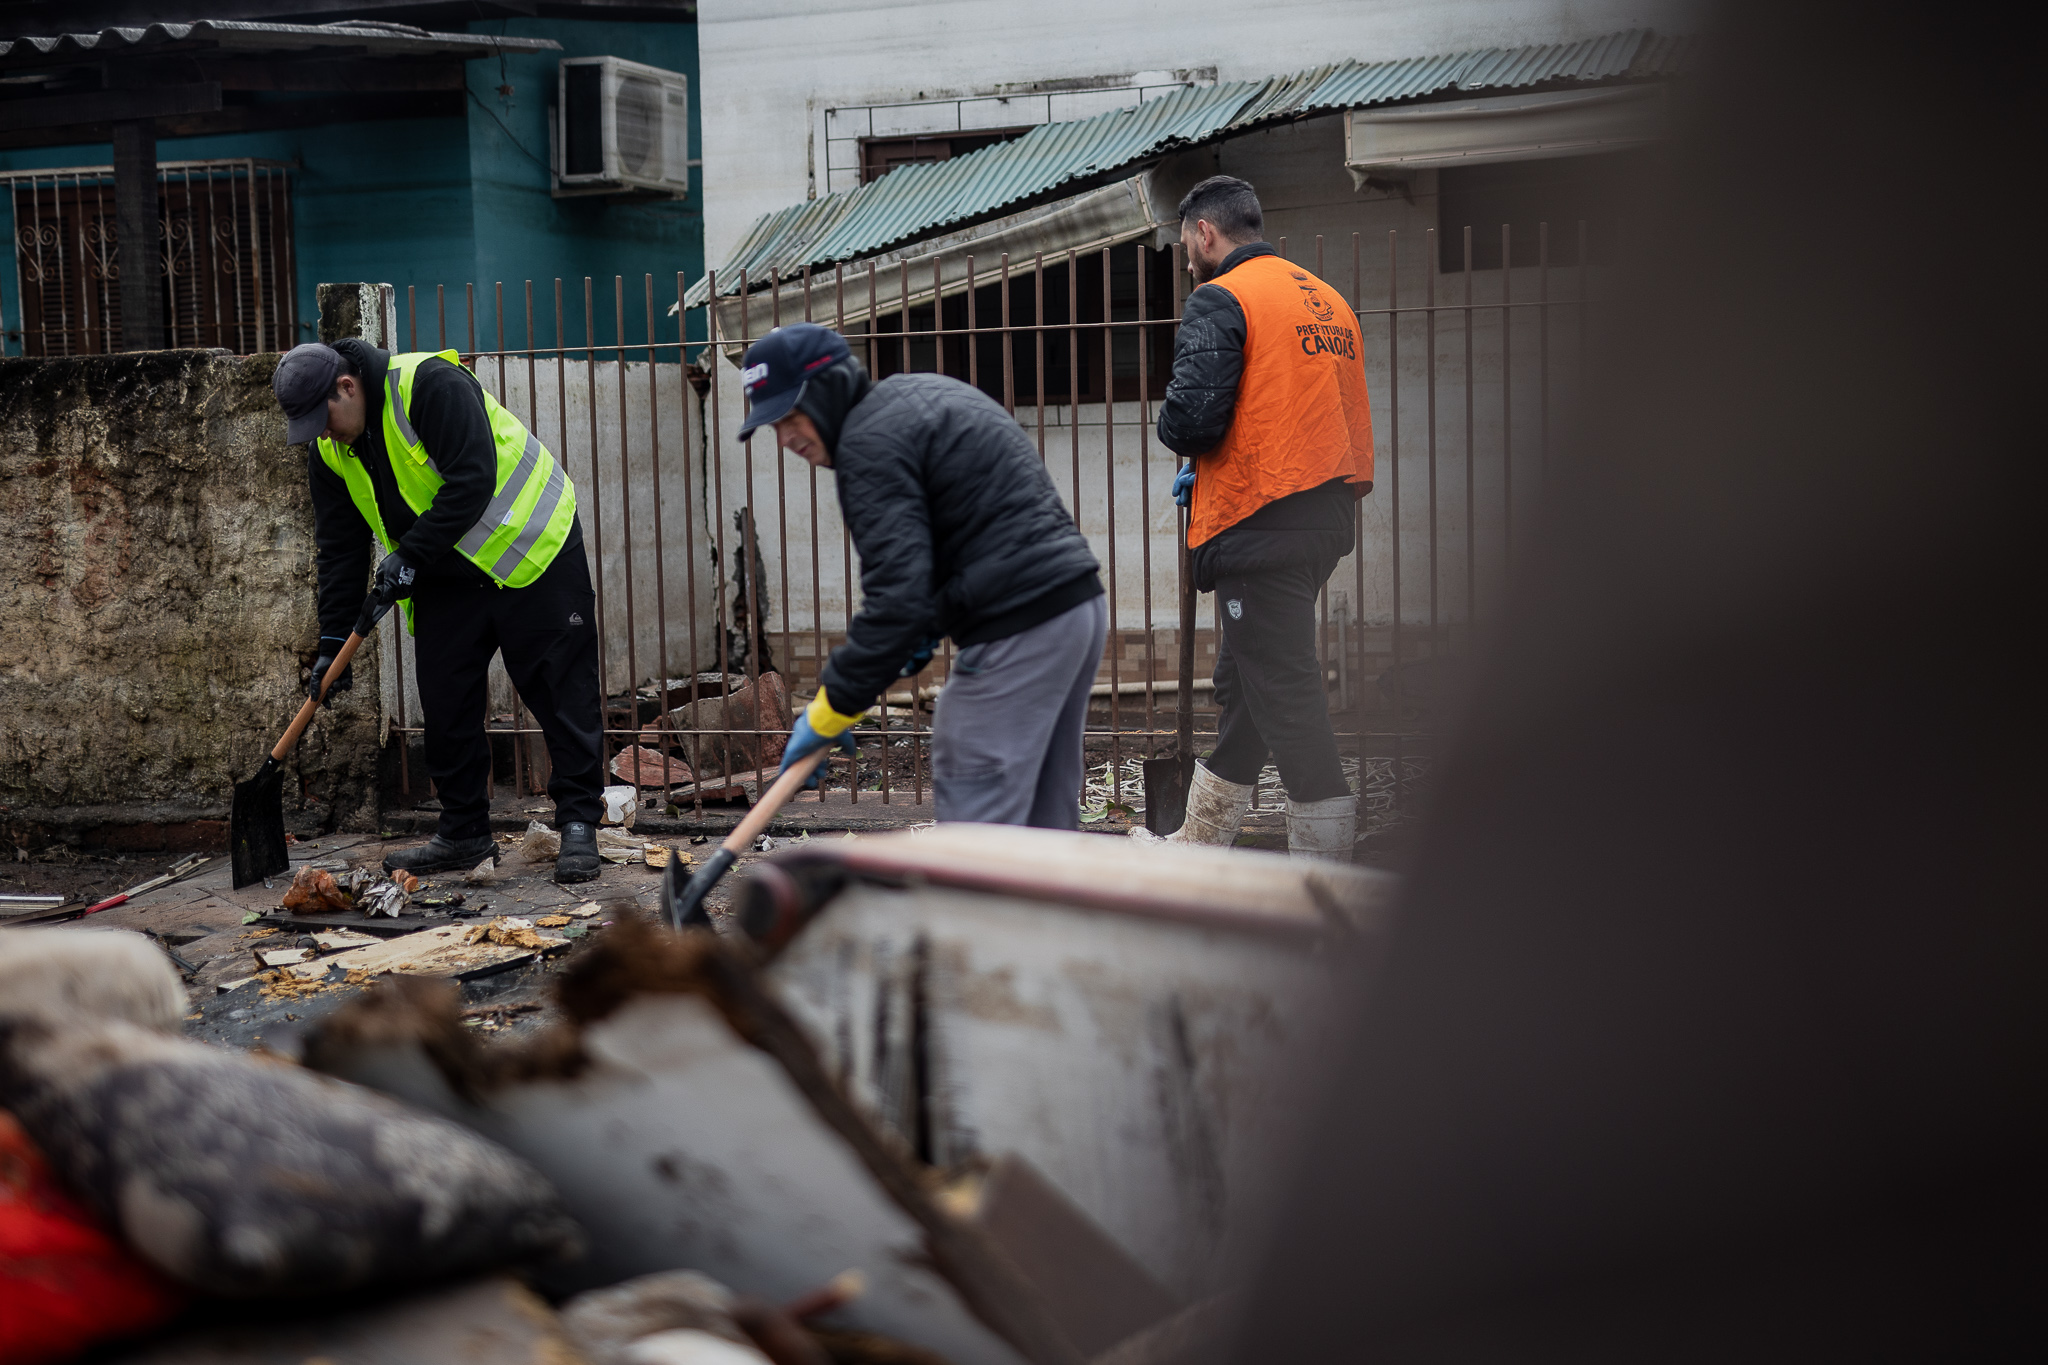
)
(923, 656)
(1184, 485)
(805, 740)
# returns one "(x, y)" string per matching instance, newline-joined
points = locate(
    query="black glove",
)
(329, 647)
(394, 580)
(915, 664)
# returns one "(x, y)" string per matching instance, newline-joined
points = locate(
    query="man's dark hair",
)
(1230, 205)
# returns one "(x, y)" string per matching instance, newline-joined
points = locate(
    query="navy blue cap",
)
(778, 366)
(302, 382)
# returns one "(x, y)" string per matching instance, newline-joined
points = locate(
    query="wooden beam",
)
(108, 106)
(135, 211)
(253, 118)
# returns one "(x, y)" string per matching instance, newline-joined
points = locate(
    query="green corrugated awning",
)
(984, 201)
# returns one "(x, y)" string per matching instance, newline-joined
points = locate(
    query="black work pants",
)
(1269, 684)
(547, 632)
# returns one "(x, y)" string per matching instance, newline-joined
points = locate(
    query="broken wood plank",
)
(432, 952)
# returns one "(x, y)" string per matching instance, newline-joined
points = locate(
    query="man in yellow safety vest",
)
(482, 545)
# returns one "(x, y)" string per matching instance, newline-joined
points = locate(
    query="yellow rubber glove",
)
(826, 721)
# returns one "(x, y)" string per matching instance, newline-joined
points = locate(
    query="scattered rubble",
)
(314, 890)
(644, 767)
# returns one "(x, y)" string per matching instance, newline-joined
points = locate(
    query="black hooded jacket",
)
(448, 413)
(959, 529)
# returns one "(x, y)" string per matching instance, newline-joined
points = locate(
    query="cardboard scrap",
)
(341, 940)
(283, 957)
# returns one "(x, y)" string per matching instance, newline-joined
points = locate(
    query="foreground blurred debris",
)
(232, 1175)
(1092, 1042)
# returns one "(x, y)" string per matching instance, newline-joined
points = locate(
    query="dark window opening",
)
(881, 155)
(1072, 359)
(1527, 196)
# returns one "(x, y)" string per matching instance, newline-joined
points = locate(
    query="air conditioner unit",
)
(620, 126)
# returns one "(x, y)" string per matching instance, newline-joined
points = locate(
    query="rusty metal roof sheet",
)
(360, 36)
(915, 200)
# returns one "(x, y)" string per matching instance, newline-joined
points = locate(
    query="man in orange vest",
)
(1268, 403)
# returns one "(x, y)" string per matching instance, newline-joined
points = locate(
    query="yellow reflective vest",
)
(532, 506)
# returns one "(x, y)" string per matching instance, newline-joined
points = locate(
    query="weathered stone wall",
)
(156, 598)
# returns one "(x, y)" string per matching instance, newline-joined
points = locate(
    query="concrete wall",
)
(156, 598)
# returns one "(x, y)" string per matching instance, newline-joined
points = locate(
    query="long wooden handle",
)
(305, 716)
(786, 786)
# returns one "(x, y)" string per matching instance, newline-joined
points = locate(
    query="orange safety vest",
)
(1302, 417)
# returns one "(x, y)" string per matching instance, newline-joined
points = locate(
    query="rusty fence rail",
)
(724, 577)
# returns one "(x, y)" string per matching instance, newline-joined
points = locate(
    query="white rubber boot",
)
(1216, 811)
(1322, 829)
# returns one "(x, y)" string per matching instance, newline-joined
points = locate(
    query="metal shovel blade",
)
(1166, 794)
(256, 826)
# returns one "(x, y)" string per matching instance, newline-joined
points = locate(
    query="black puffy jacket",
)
(959, 529)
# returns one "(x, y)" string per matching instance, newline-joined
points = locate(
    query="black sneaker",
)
(442, 855)
(578, 860)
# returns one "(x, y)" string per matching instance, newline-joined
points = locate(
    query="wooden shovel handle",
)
(305, 716)
(786, 786)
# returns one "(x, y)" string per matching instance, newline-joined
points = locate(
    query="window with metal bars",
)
(223, 253)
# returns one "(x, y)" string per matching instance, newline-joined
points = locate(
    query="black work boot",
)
(577, 862)
(442, 855)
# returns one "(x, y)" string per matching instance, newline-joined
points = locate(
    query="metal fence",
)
(223, 253)
(734, 552)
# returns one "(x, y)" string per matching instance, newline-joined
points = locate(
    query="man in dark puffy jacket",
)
(960, 534)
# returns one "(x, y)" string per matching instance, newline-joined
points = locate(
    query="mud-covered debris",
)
(385, 898)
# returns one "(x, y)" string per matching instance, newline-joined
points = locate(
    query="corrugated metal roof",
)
(914, 200)
(378, 39)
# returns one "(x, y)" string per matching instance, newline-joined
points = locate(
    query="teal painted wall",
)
(460, 201)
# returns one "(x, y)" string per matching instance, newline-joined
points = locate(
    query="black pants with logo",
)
(547, 632)
(1269, 685)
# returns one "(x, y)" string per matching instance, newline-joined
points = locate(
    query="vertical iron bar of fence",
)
(1009, 355)
(1145, 504)
(1109, 523)
(291, 270)
(660, 570)
(781, 530)
(213, 269)
(903, 315)
(522, 768)
(562, 454)
(1323, 592)
(604, 691)
(1394, 489)
(1431, 252)
(724, 562)
(626, 510)
(973, 337)
(1471, 529)
(817, 571)
(1585, 307)
(749, 567)
(846, 537)
(689, 534)
(1038, 342)
(1350, 699)
(107, 343)
(256, 264)
(1074, 370)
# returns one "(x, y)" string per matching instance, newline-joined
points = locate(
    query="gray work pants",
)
(1006, 731)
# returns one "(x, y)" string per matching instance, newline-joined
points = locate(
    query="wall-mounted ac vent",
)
(620, 126)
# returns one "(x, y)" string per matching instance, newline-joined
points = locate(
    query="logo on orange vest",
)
(1316, 303)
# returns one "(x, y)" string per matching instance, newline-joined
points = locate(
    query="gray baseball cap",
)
(304, 379)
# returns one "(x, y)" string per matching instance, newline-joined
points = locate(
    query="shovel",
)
(256, 819)
(683, 906)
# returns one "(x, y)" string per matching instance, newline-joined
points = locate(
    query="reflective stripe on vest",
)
(1302, 417)
(528, 476)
